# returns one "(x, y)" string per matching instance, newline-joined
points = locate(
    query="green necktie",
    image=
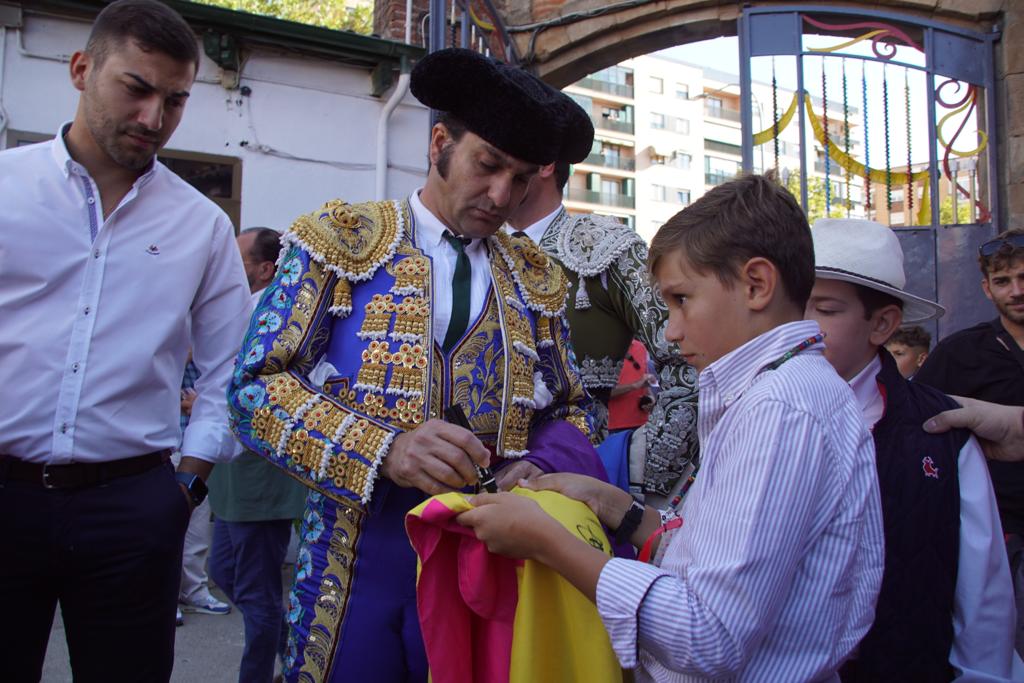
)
(460, 292)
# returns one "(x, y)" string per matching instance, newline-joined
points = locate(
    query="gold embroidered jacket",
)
(340, 357)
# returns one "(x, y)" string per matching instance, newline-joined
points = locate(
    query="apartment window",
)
(657, 85)
(681, 160)
(713, 106)
(611, 187)
(658, 121)
(682, 126)
(682, 91)
(658, 193)
(683, 197)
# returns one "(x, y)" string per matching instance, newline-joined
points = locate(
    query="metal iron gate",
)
(884, 116)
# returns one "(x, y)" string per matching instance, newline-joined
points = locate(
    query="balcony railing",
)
(605, 198)
(608, 123)
(717, 178)
(611, 162)
(722, 113)
(617, 89)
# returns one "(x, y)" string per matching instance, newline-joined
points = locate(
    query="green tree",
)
(963, 211)
(333, 14)
(815, 198)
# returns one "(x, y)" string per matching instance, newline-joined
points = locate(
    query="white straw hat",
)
(866, 253)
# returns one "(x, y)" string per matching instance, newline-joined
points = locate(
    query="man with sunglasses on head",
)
(986, 362)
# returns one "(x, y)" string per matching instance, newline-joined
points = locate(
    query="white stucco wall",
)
(300, 106)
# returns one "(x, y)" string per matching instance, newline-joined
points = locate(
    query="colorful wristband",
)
(645, 552)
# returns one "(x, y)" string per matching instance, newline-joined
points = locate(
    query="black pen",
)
(455, 415)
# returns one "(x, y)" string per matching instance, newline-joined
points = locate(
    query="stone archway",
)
(564, 40)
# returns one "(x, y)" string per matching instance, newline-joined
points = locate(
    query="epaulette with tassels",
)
(350, 240)
(538, 278)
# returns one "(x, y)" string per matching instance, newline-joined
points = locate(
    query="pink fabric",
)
(466, 623)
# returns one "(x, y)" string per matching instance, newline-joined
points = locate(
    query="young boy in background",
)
(909, 347)
(774, 574)
(945, 609)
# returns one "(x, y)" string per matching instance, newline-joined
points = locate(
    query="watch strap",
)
(630, 522)
(195, 486)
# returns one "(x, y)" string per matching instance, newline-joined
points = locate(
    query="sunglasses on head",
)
(992, 247)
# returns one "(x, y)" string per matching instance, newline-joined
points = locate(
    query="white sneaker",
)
(179, 620)
(209, 605)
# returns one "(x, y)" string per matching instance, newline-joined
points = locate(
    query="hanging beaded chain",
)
(846, 137)
(909, 200)
(867, 143)
(678, 498)
(810, 341)
(453, 25)
(775, 115)
(828, 139)
(774, 365)
(888, 157)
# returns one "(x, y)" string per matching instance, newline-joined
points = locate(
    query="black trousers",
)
(110, 555)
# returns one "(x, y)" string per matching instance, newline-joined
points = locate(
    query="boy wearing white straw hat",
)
(945, 609)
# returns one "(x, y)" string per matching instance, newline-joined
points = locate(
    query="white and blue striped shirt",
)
(774, 574)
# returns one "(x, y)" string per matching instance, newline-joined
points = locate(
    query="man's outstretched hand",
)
(1000, 429)
(436, 457)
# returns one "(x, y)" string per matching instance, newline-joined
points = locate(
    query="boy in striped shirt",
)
(945, 609)
(769, 569)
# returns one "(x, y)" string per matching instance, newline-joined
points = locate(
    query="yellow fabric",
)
(558, 635)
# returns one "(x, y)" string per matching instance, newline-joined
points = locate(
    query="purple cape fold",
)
(558, 446)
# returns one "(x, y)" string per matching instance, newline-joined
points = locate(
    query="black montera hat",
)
(506, 106)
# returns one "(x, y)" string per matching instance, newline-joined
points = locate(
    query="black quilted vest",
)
(918, 479)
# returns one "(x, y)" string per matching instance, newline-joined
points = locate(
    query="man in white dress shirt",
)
(112, 268)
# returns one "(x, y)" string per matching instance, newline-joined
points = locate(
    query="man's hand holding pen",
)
(436, 457)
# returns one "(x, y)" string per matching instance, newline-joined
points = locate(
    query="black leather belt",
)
(78, 474)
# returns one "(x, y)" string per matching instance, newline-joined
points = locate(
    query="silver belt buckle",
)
(46, 477)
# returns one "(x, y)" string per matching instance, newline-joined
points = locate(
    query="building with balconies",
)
(666, 131)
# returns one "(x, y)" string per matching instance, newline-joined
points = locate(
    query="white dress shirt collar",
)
(734, 372)
(428, 235)
(536, 231)
(429, 228)
(869, 397)
(68, 165)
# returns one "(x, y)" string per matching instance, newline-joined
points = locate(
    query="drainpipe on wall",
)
(381, 186)
(3, 112)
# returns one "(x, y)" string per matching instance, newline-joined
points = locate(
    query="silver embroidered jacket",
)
(611, 301)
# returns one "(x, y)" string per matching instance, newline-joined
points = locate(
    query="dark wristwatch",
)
(195, 486)
(630, 522)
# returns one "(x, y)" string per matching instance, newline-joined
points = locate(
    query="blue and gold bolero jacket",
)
(339, 356)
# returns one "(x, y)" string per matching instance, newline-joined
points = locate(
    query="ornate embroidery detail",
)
(350, 240)
(411, 275)
(581, 298)
(600, 373)
(332, 595)
(476, 372)
(412, 319)
(540, 281)
(374, 371)
(342, 301)
(587, 245)
(377, 317)
(407, 374)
